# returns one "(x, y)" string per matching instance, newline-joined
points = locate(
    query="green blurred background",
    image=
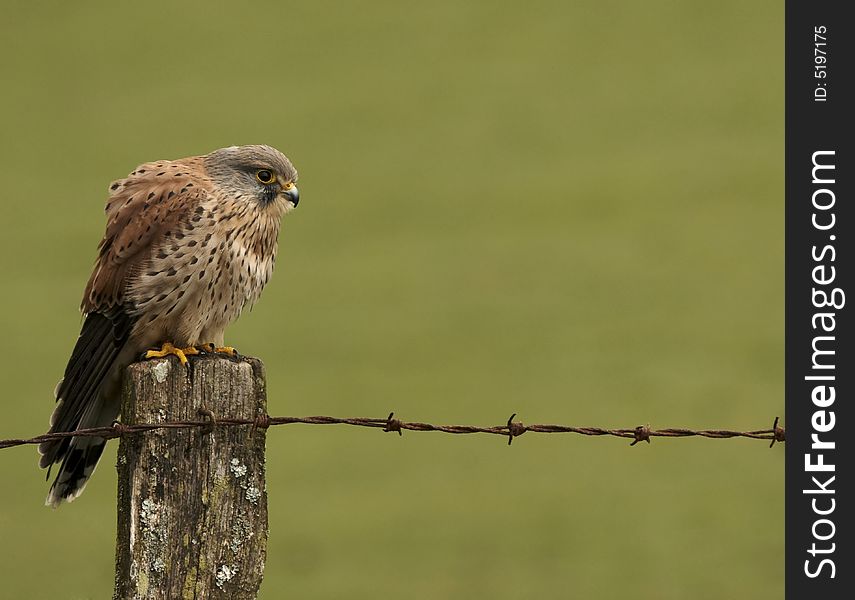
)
(571, 211)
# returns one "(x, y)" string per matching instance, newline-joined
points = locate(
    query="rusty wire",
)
(510, 430)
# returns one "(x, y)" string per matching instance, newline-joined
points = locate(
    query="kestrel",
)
(189, 243)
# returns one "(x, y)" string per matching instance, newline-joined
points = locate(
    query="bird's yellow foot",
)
(212, 349)
(167, 349)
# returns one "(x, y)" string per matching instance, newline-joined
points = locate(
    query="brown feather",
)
(141, 209)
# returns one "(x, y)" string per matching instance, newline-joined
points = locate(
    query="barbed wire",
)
(510, 430)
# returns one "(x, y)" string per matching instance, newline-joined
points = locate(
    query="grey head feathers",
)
(236, 169)
(226, 162)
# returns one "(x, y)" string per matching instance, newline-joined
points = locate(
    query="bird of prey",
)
(188, 244)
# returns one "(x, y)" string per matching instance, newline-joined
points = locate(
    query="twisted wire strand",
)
(511, 429)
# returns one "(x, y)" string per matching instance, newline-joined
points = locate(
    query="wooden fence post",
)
(192, 503)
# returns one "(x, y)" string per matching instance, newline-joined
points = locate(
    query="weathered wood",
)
(192, 504)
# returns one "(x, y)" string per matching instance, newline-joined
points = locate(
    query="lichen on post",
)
(192, 503)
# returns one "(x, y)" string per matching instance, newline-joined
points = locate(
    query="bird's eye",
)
(265, 176)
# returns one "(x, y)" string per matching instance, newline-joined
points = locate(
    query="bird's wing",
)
(101, 339)
(141, 211)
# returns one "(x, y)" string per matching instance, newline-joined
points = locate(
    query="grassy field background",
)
(571, 211)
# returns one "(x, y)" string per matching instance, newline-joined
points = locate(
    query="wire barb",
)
(514, 429)
(642, 434)
(393, 425)
(780, 434)
(119, 429)
(212, 419)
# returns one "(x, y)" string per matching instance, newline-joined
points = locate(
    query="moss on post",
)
(192, 503)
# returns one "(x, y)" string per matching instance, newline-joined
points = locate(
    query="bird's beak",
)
(292, 193)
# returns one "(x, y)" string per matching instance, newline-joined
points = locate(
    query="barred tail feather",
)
(79, 463)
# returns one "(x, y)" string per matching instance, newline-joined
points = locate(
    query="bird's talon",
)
(210, 348)
(168, 349)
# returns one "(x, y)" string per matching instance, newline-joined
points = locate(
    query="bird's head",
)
(255, 173)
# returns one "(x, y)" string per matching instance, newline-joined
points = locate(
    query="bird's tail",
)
(87, 396)
(78, 456)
